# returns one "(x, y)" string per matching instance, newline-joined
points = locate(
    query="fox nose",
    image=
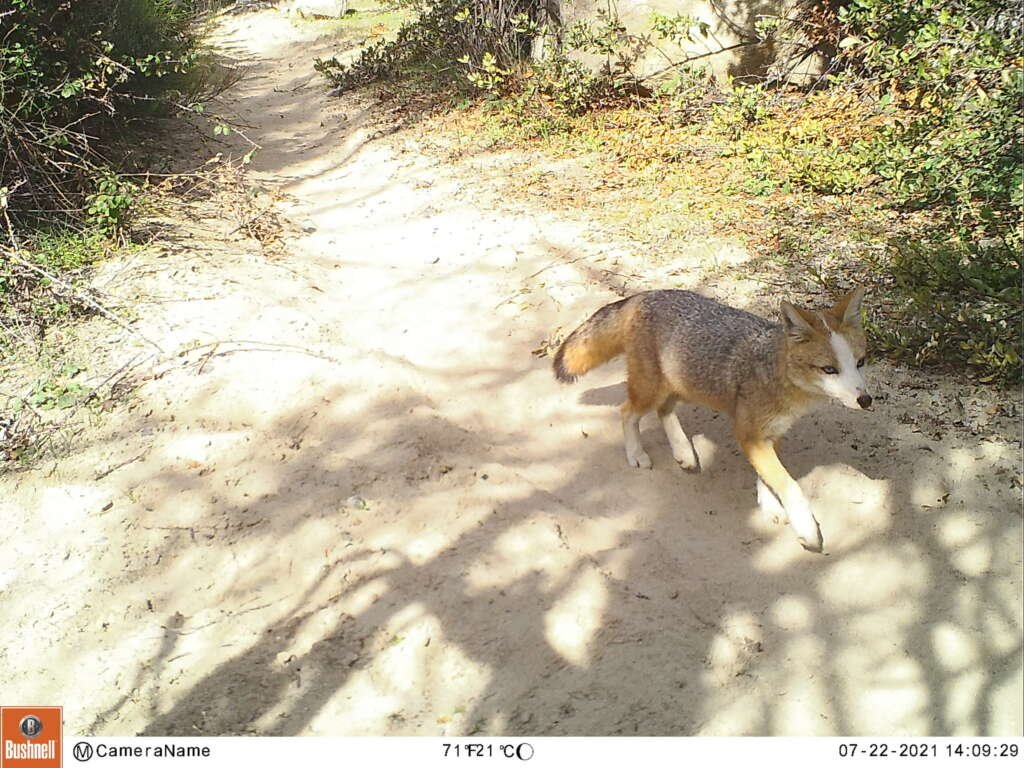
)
(864, 401)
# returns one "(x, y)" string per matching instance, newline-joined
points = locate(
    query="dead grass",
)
(667, 185)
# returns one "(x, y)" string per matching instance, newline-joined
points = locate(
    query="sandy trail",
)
(364, 507)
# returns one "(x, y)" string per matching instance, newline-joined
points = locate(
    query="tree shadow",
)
(605, 601)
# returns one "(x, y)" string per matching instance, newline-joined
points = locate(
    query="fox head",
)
(825, 350)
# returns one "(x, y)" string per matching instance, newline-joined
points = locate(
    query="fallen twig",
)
(115, 467)
(14, 254)
(261, 346)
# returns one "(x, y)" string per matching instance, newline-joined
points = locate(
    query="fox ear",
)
(847, 309)
(794, 323)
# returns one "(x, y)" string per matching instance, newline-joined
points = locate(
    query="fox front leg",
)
(769, 504)
(761, 454)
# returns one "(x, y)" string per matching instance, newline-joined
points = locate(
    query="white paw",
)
(803, 523)
(769, 505)
(639, 459)
(686, 458)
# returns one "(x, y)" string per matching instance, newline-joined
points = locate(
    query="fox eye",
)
(829, 370)
(860, 363)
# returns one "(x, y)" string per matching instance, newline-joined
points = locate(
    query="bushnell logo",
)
(30, 737)
(31, 726)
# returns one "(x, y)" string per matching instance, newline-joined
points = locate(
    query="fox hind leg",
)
(636, 456)
(644, 388)
(682, 448)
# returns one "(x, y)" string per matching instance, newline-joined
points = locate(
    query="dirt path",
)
(361, 505)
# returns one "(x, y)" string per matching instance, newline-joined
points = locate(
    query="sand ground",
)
(348, 498)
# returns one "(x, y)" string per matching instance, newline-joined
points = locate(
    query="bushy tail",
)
(597, 341)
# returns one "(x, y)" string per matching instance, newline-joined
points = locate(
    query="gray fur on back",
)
(709, 346)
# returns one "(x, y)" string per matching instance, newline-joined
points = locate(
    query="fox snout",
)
(856, 399)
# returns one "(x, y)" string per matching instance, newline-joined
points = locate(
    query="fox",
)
(681, 346)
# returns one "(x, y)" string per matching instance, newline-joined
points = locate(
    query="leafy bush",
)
(108, 207)
(452, 41)
(924, 102)
(816, 141)
(72, 77)
(954, 301)
(487, 43)
(60, 392)
(29, 300)
(954, 66)
(955, 87)
(70, 74)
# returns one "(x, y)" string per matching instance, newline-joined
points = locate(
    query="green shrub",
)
(454, 42)
(71, 74)
(743, 107)
(954, 302)
(109, 205)
(29, 301)
(486, 44)
(955, 67)
(955, 85)
(927, 109)
(58, 392)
